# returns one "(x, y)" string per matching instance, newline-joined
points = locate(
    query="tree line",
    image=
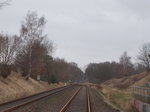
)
(100, 72)
(30, 53)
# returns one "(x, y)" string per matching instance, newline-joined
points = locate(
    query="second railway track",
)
(13, 105)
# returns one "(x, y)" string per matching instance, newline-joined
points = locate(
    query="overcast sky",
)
(86, 31)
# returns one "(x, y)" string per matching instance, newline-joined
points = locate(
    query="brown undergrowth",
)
(15, 86)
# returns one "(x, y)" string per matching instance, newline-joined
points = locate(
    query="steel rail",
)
(88, 101)
(53, 91)
(89, 107)
(36, 94)
(66, 106)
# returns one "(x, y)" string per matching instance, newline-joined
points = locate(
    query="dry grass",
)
(16, 86)
(120, 99)
(118, 91)
(126, 82)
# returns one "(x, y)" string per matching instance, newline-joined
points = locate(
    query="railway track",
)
(73, 98)
(79, 102)
(13, 105)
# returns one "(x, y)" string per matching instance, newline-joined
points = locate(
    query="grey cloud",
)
(86, 30)
(140, 8)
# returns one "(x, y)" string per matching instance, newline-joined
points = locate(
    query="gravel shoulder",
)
(98, 104)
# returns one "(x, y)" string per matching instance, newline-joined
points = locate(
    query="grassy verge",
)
(15, 86)
(118, 98)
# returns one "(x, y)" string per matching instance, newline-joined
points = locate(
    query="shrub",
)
(5, 70)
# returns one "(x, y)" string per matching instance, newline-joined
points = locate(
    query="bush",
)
(5, 70)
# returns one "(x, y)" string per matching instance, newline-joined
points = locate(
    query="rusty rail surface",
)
(88, 101)
(89, 107)
(69, 102)
(37, 96)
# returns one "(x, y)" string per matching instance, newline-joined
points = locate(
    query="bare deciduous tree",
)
(126, 65)
(144, 56)
(9, 46)
(4, 3)
(32, 34)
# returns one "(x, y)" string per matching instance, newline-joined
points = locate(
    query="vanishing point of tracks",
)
(73, 98)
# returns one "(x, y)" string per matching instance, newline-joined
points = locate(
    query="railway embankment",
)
(15, 86)
(119, 91)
